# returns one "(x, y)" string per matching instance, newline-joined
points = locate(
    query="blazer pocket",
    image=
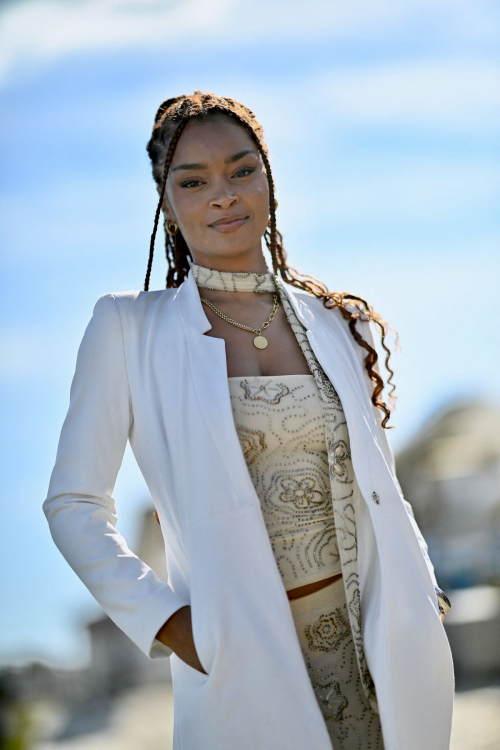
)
(200, 638)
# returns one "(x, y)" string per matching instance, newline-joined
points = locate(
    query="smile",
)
(230, 225)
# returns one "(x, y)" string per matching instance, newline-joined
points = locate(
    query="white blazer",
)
(146, 372)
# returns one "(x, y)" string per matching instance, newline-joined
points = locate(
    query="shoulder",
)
(134, 297)
(304, 299)
(337, 321)
(331, 315)
(131, 303)
(356, 312)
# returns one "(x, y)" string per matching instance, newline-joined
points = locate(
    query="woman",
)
(301, 609)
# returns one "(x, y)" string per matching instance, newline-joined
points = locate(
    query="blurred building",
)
(450, 474)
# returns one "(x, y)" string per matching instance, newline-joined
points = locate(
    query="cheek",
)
(258, 194)
(189, 212)
(258, 201)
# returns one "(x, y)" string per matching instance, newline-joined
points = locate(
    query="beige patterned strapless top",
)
(280, 425)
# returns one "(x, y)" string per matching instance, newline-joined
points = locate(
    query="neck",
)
(250, 260)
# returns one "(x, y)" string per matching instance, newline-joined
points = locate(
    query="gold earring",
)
(275, 204)
(170, 231)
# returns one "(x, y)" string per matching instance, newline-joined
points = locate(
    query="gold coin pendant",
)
(260, 342)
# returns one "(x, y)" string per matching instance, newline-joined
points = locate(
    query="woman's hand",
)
(444, 603)
(177, 634)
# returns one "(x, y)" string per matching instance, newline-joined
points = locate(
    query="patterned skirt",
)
(325, 637)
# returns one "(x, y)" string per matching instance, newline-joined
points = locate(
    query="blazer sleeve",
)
(79, 506)
(366, 331)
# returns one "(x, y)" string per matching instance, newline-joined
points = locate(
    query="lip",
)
(229, 223)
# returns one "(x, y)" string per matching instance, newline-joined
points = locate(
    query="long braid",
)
(168, 158)
(170, 121)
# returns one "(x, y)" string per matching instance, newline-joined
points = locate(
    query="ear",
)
(169, 214)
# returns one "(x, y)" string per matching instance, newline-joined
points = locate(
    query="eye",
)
(249, 170)
(190, 183)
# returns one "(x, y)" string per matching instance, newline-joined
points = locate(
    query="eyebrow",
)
(229, 160)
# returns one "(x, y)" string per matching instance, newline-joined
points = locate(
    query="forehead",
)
(211, 139)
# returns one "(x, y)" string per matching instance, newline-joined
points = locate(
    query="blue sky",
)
(383, 127)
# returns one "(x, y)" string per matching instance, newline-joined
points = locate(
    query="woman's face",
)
(217, 190)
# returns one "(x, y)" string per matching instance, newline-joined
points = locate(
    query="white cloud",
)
(456, 94)
(51, 29)
(37, 32)
(436, 96)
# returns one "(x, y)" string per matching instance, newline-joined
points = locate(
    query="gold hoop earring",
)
(170, 231)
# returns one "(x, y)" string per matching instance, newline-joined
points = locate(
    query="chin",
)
(228, 247)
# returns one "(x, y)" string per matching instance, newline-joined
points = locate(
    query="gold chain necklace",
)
(259, 341)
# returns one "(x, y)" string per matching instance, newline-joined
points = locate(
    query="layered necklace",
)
(238, 281)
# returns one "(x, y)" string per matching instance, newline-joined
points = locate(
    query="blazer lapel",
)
(322, 326)
(332, 348)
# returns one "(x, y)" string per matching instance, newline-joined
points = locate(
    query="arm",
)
(79, 506)
(365, 330)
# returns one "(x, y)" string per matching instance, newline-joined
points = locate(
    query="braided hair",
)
(170, 120)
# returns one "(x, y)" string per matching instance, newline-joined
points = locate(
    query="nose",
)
(223, 197)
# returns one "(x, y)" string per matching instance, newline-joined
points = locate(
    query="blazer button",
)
(375, 497)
